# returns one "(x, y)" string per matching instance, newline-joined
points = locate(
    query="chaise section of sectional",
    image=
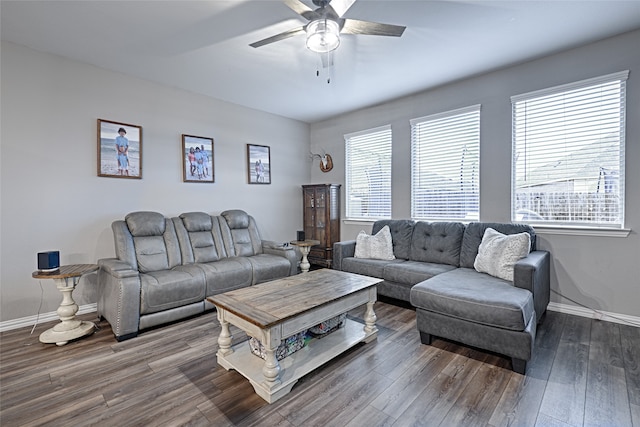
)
(478, 310)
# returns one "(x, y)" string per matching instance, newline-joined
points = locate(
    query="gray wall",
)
(599, 272)
(52, 198)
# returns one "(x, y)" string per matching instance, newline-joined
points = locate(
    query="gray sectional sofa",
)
(434, 270)
(166, 267)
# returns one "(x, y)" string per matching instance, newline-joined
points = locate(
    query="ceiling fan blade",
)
(302, 9)
(340, 7)
(278, 37)
(355, 26)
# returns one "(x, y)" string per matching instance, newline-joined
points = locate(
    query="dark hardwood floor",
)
(584, 373)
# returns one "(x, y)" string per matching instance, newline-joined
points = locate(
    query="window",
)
(444, 165)
(368, 173)
(568, 154)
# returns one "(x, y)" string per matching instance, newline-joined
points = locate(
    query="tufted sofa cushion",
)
(401, 231)
(437, 242)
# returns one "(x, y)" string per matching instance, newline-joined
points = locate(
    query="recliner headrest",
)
(236, 218)
(145, 223)
(196, 221)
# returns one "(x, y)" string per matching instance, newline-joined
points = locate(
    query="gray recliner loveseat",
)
(165, 268)
(434, 270)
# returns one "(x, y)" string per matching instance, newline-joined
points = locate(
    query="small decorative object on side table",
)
(305, 247)
(69, 328)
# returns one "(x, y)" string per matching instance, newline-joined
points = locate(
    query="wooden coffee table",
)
(276, 310)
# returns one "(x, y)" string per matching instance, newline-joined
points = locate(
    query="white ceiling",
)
(203, 46)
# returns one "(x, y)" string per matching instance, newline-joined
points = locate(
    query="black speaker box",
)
(48, 261)
(300, 236)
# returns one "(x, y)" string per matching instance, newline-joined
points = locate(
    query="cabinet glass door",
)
(309, 214)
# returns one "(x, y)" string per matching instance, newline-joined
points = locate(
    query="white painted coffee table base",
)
(272, 379)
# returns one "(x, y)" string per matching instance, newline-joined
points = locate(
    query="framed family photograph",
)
(258, 164)
(119, 150)
(197, 159)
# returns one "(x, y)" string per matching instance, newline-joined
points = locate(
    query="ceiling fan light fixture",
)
(323, 35)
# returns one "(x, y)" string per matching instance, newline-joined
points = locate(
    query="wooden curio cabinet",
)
(321, 204)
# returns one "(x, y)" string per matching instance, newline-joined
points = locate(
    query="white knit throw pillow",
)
(498, 253)
(378, 246)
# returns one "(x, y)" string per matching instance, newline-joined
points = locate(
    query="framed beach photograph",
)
(119, 150)
(258, 164)
(197, 159)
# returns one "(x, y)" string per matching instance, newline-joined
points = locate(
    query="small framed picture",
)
(258, 164)
(119, 150)
(197, 159)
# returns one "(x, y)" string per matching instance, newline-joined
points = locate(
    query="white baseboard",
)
(606, 316)
(553, 306)
(44, 317)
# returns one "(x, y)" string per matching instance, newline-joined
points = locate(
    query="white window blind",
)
(568, 154)
(444, 165)
(368, 174)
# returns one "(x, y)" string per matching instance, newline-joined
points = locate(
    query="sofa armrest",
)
(117, 268)
(342, 250)
(532, 273)
(288, 252)
(119, 296)
(270, 244)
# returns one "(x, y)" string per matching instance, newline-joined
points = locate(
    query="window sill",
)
(581, 231)
(541, 229)
(363, 222)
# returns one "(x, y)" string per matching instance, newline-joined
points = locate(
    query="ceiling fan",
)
(326, 24)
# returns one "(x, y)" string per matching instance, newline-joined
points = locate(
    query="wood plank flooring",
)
(584, 373)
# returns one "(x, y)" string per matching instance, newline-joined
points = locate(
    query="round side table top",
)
(307, 242)
(65, 271)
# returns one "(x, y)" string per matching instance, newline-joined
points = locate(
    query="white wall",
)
(52, 198)
(599, 272)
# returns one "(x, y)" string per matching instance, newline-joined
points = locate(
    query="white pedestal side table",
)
(305, 248)
(66, 278)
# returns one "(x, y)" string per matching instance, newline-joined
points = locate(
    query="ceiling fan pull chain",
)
(328, 68)
(329, 65)
(326, 63)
